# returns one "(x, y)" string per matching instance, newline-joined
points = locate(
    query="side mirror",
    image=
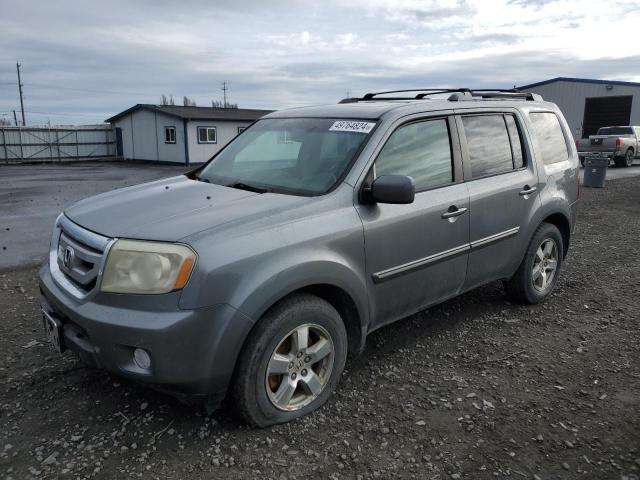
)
(393, 189)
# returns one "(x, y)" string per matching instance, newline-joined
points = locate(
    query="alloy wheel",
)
(545, 265)
(300, 367)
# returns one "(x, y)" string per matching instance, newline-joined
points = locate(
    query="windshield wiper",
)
(249, 188)
(199, 178)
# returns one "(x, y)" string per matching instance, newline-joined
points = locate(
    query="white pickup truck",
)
(620, 144)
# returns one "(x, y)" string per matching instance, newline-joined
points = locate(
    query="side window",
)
(548, 137)
(516, 141)
(421, 150)
(488, 144)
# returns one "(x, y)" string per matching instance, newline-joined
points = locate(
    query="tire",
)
(260, 399)
(527, 287)
(626, 161)
(628, 157)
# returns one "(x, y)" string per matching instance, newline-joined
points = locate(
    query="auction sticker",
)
(352, 126)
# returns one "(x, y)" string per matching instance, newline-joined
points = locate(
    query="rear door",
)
(415, 256)
(503, 192)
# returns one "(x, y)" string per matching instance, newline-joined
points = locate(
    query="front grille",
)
(76, 257)
(79, 262)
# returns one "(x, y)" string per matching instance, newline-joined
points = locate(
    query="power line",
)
(89, 90)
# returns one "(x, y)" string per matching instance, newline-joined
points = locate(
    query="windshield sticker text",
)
(351, 126)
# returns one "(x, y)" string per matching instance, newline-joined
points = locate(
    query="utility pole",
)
(20, 90)
(15, 118)
(224, 93)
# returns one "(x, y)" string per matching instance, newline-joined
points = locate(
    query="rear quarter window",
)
(548, 138)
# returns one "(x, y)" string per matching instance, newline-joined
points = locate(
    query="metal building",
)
(590, 104)
(158, 132)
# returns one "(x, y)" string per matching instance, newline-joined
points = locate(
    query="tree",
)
(221, 104)
(167, 101)
(4, 122)
(187, 102)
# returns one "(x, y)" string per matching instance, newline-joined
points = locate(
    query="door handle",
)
(527, 190)
(453, 212)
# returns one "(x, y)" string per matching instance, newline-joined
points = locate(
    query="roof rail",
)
(423, 92)
(457, 94)
(497, 94)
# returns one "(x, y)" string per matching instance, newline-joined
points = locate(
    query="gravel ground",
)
(474, 388)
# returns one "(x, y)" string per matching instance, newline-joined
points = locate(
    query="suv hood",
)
(173, 208)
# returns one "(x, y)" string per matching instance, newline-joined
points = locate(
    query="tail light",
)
(618, 143)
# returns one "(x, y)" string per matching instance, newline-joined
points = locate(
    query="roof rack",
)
(457, 94)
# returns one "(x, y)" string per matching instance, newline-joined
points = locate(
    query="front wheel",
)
(538, 273)
(291, 363)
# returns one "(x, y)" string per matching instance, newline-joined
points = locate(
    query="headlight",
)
(136, 266)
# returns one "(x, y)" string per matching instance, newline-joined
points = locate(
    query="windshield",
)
(289, 155)
(615, 131)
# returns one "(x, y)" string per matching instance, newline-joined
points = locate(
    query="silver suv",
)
(253, 276)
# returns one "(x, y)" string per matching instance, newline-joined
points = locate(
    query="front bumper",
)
(193, 352)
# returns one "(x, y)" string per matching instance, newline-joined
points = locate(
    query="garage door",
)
(604, 112)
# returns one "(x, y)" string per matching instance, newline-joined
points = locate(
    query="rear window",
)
(489, 145)
(548, 137)
(615, 131)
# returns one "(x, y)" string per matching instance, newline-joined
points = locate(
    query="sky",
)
(84, 60)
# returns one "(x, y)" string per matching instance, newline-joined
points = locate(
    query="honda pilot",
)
(255, 275)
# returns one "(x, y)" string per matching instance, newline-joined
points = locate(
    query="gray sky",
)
(83, 61)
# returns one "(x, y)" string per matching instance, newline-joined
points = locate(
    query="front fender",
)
(259, 292)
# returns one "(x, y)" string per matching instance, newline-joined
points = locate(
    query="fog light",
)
(142, 358)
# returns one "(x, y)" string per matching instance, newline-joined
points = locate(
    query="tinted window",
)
(516, 141)
(488, 145)
(548, 137)
(420, 150)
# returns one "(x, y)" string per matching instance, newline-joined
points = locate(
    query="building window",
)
(207, 135)
(284, 137)
(241, 129)
(169, 134)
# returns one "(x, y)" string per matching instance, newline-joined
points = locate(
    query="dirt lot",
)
(474, 388)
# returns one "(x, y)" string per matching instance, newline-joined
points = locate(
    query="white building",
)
(158, 132)
(590, 104)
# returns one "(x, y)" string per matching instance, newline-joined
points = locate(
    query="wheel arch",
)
(335, 282)
(563, 224)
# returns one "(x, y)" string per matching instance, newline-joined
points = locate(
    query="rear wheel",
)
(629, 158)
(625, 161)
(538, 273)
(292, 361)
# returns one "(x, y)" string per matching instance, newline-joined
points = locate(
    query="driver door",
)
(416, 254)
